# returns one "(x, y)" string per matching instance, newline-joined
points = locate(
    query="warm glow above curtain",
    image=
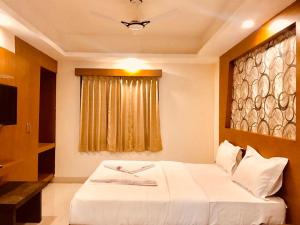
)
(119, 114)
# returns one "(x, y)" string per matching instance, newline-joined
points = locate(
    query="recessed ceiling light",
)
(5, 21)
(247, 24)
(279, 25)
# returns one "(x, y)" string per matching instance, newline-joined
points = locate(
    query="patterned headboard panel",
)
(264, 88)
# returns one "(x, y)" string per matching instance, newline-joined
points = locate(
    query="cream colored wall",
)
(7, 40)
(216, 108)
(187, 96)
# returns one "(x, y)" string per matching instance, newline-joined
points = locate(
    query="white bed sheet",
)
(187, 194)
(230, 204)
(177, 200)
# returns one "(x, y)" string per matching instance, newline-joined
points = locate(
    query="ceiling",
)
(190, 30)
(177, 26)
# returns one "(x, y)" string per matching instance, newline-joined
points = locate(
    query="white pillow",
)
(227, 156)
(261, 176)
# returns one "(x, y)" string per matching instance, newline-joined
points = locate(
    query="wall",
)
(7, 40)
(187, 98)
(216, 108)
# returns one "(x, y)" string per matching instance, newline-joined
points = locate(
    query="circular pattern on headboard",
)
(264, 89)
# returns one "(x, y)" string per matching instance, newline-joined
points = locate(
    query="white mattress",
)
(230, 204)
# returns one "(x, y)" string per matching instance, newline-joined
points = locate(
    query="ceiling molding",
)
(231, 32)
(151, 58)
(24, 30)
(21, 28)
(220, 42)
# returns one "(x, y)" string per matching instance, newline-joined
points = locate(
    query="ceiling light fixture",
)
(5, 21)
(247, 24)
(135, 24)
(136, 1)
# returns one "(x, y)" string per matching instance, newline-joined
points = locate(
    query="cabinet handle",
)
(28, 128)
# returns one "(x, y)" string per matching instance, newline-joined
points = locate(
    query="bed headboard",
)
(268, 146)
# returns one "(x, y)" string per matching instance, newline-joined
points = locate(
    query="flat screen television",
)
(8, 105)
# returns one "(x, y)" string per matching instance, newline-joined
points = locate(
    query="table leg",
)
(8, 216)
(31, 211)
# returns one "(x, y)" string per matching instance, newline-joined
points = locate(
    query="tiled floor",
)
(56, 199)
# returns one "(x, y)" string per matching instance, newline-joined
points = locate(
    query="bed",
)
(186, 194)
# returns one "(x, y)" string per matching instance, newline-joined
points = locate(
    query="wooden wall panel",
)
(16, 141)
(268, 146)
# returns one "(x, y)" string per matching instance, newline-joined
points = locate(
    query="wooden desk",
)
(20, 202)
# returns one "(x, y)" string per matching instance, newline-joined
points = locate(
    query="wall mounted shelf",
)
(45, 147)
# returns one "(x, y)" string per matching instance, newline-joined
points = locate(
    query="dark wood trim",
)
(116, 72)
(20, 202)
(268, 146)
(31, 211)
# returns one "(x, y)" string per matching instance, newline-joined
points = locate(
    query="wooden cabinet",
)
(34, 75)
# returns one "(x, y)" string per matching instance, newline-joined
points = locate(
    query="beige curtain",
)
(119, 114)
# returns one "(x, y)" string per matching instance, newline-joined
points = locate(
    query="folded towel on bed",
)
(124, 179)
(131, 169)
